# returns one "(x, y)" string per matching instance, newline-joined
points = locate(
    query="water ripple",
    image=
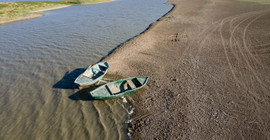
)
(39, 59)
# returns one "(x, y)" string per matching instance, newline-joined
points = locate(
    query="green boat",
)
(119, 88)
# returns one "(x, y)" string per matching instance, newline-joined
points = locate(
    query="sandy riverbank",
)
(208, 63)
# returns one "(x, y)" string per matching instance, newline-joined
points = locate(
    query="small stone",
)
(174, 79)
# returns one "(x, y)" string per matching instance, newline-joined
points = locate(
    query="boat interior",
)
(102, 67)
(124, 86)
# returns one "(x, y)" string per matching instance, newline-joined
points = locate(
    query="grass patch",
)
(84, 1)
(16, 10)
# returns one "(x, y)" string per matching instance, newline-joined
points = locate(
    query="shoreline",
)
(35, 14)
(110, 53)
(39, 13)
(197, 82)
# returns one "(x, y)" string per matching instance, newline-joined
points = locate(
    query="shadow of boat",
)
(83, 94)
(67, 82)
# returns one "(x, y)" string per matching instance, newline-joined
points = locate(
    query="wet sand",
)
(209, 69)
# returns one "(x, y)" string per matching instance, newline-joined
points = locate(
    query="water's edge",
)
(115, 51)
(111, 52)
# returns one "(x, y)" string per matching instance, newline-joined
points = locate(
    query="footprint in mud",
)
(169, 18)
(179, 37)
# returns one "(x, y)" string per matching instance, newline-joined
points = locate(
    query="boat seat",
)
(86, 75)
(113, 90)
(126, 86)
(96, 69)
(108, 89)
(102, 65)
(131, 84)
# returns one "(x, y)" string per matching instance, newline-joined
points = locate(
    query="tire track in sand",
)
(263, 85)
(231, 46)
(225, 51)
(250, 88)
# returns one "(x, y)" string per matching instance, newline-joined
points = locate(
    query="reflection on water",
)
(40, 58)
(84, 94)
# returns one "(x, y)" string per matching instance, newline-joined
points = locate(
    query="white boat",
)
(92, 74)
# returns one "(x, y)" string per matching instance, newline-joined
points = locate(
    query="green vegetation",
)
(257, 1)
(13, 11)
(84, 1)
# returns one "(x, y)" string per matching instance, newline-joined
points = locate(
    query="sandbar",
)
(208, 63)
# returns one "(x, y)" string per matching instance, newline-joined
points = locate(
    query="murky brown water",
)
(40, 58)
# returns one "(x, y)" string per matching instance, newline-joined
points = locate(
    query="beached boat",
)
(119, 88)
(92, 74)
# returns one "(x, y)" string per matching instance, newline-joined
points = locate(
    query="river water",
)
(41, 57)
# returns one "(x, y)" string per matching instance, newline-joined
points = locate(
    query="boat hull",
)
(119, 88)
(113, 97)
(92, 75)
